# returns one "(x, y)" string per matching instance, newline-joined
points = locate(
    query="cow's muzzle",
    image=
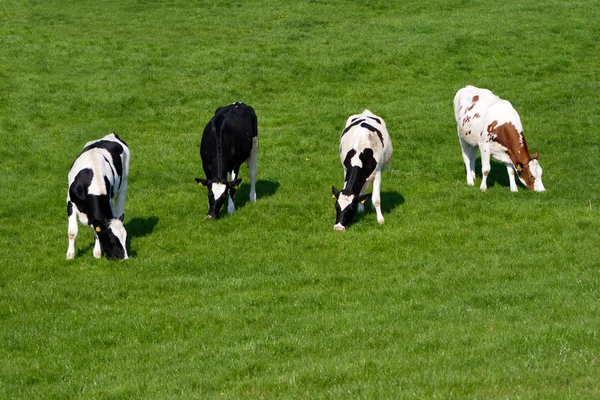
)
(339, 227)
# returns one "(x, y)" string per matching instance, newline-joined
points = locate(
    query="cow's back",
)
(477, 111)
(367, 131)
(107, 159)
(227, 138)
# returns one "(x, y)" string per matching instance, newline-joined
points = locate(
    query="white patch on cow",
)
(345, 200)
(218, 189)
(355, 161)
(536, 171)
(339, 227)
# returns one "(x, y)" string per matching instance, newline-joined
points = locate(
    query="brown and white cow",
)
(490, 124)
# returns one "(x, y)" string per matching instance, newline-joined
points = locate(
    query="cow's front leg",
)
(232, 191)
(485, 168)
(72, 230)
(469, 154)
(97, 249)
(361, 206)
(511, 178)
(253, 168)
(376, 196)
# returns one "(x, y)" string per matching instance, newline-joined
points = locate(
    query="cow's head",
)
(217, 194)
(346, 204)
(531, 174)
(112, 237)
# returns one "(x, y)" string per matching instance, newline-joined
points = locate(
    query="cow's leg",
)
(376, 196)
(97, 250)
(469, 154)
(119, 209)
(511, 178)
(361, 207)
(232, 191)
(485, 167)
(253, 167)
(72, 230)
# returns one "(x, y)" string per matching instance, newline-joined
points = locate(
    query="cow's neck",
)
(514, 142)
(355, 180)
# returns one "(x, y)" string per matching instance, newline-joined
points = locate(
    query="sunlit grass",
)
(460, 294)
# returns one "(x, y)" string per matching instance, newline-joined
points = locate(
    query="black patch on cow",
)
(373, 129)
(375, 119)
(110, 190)
(356, 176)
(348, 158)
(115, 150)
(354, 123)
(119, 139)
(96, 207)
(69, 208)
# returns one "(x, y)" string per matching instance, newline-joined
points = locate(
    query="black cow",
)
(229, 139)
(97, 178)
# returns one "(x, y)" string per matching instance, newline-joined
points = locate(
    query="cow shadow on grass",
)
(389, 201)
(264, 189)
(139, 227)
(497, 175)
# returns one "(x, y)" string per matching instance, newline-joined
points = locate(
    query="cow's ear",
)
(363, 198)
(536, 155)
(519, 167)
(336, 193)
(202, 182)
(235, 183)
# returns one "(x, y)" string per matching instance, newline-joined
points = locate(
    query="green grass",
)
(461, 294)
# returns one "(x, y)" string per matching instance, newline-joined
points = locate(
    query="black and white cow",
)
(229, 139)
(487, 123)
(365, 151)
(97, 190)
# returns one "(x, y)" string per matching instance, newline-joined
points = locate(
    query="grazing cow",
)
(97, 190)
(490, 124)
(229, 139)
(365, 151)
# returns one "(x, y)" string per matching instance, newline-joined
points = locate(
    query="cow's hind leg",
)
(253, 168)
(485, 167)
(119, 209)
(376, 196)
(469, 154)
(72, 230)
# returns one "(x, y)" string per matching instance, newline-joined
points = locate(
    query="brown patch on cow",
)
(492, 126)
(473, 102)
(476, 116)
(508, 136)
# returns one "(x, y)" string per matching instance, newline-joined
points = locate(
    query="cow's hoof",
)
(381, 220)
(339, 227)
(97, 255)
(70, 255)
(483, 189)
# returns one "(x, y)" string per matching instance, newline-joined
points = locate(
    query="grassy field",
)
(460, 294)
